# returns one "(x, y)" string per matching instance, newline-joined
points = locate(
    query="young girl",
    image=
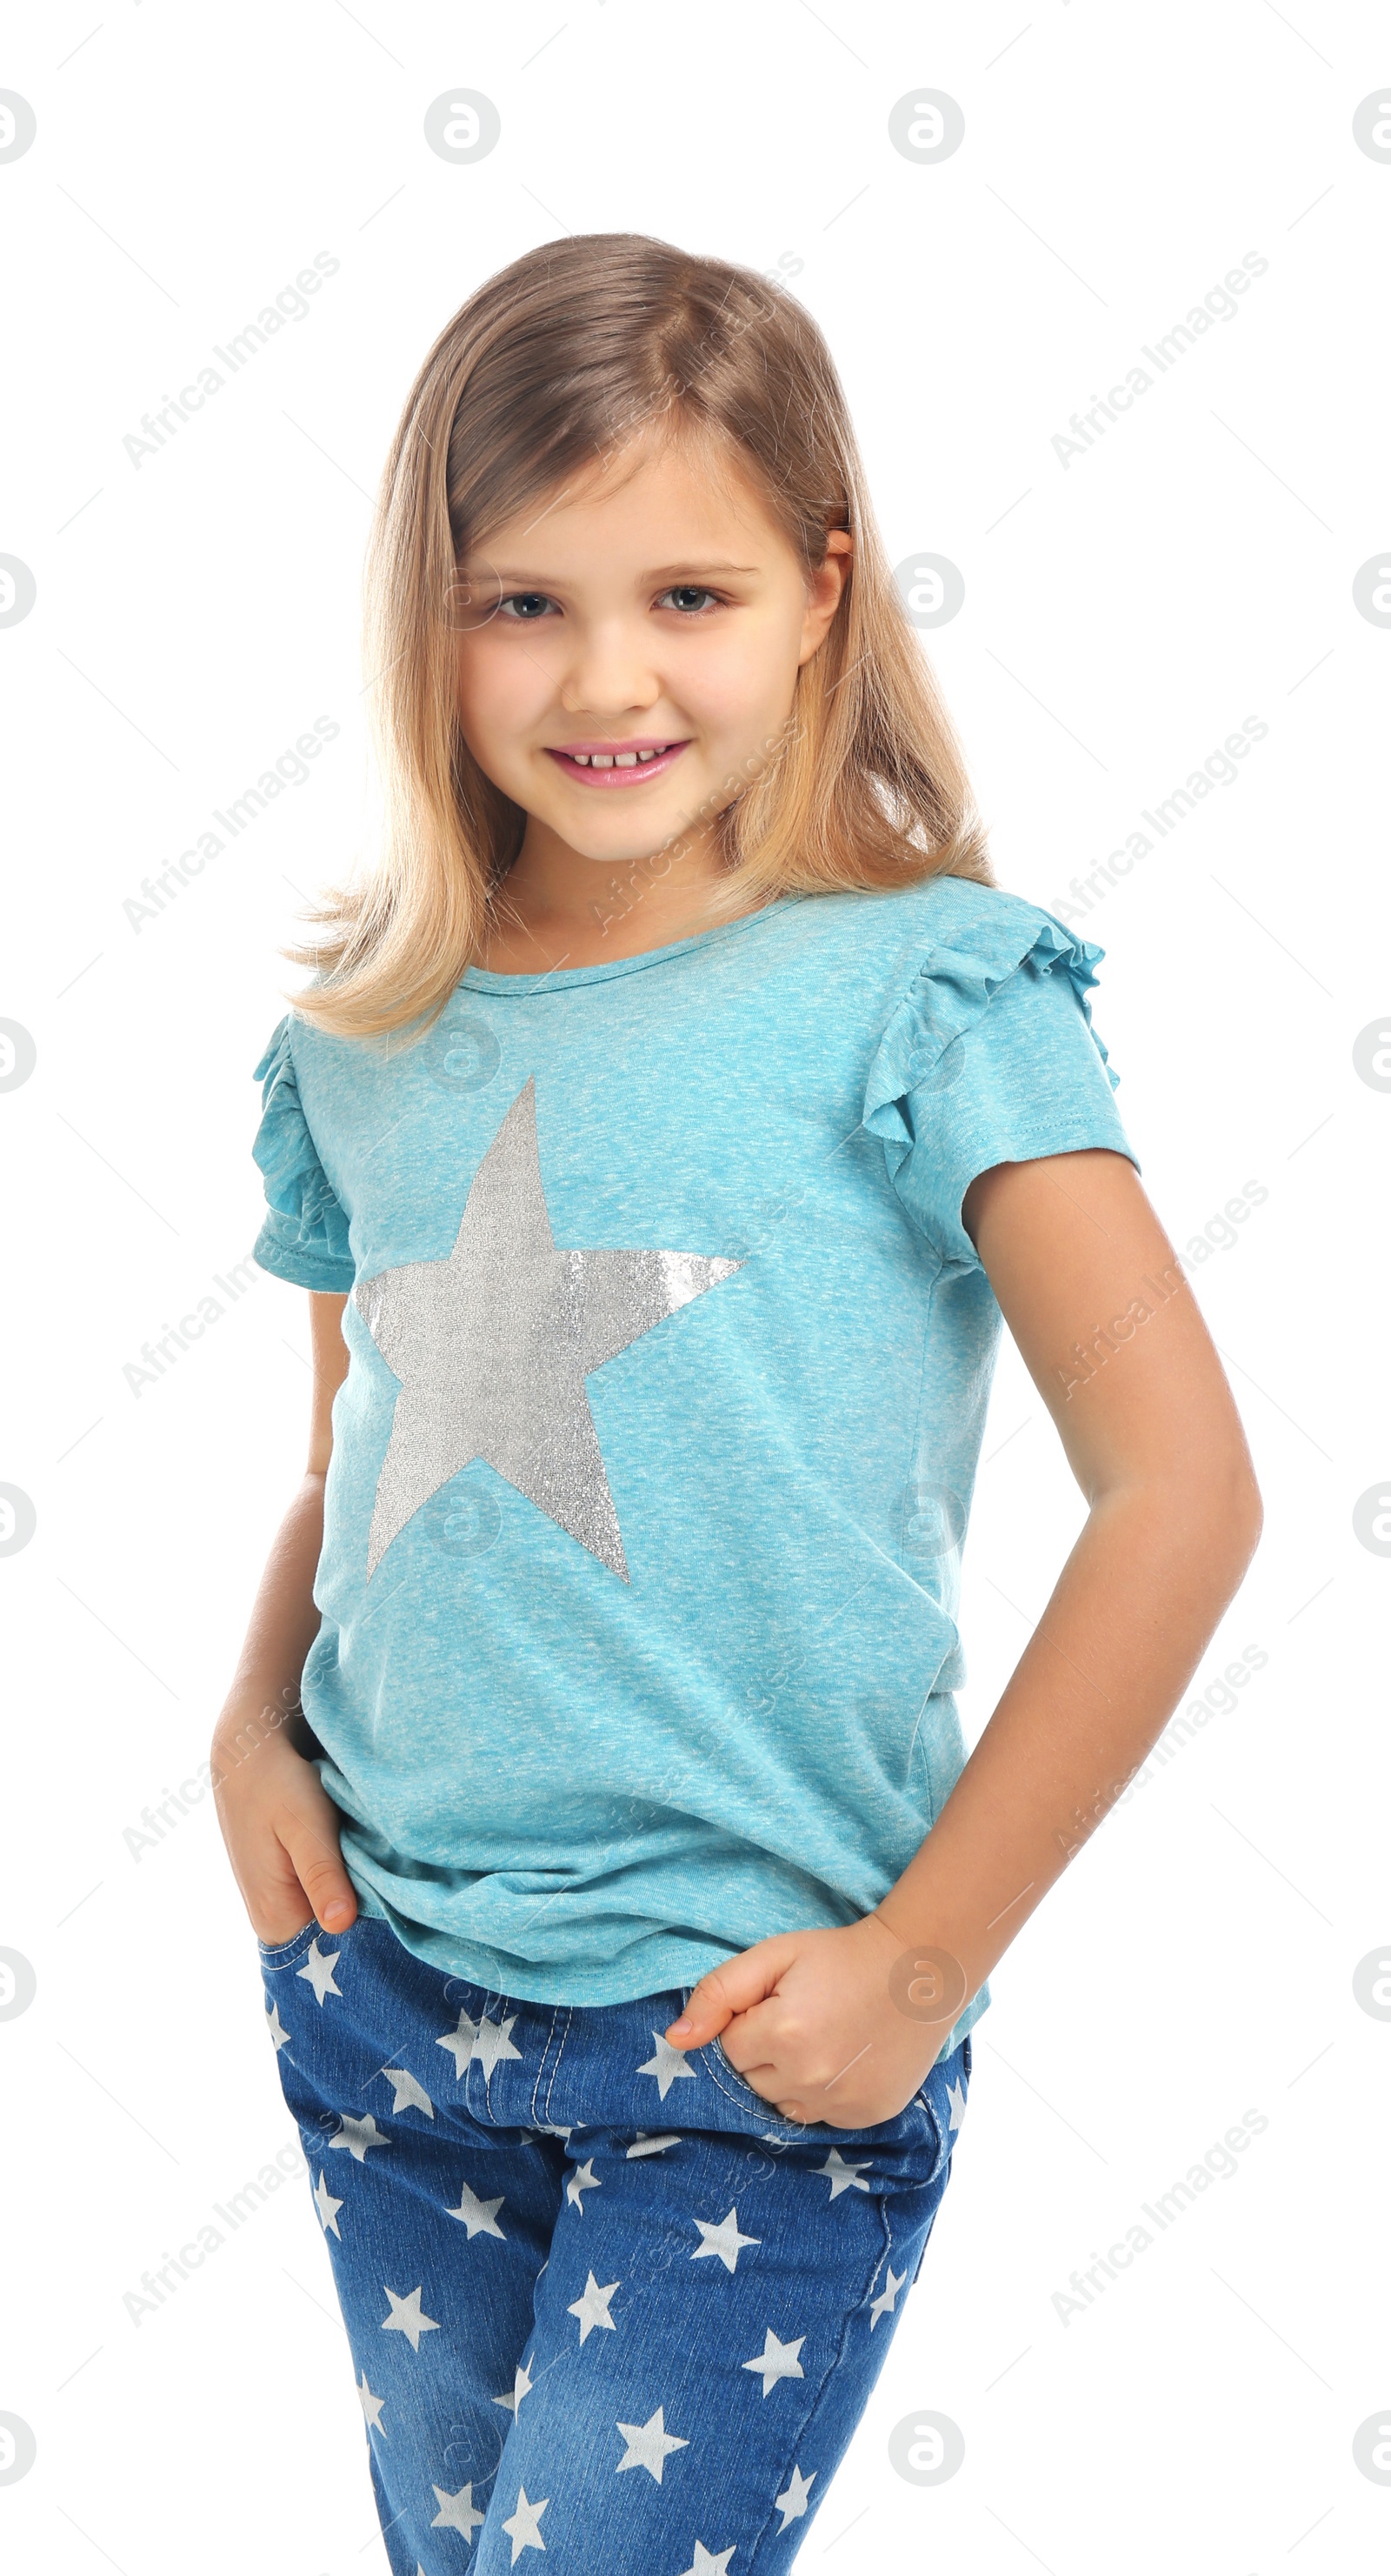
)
(670, 1122)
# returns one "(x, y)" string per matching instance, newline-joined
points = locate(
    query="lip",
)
(636, 776)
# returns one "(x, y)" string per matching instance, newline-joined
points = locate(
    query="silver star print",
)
(492, 1348)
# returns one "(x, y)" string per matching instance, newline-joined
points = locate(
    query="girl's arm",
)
(280, 1827)
(835, 2026)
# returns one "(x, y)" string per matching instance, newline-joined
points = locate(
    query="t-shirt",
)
(669, 1362)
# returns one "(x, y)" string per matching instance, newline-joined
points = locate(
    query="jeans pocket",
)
(281, 1954)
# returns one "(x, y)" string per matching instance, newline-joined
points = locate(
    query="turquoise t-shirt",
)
(652, 1467)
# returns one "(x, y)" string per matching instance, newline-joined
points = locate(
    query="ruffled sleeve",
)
(990, 1057)
(305, 1235)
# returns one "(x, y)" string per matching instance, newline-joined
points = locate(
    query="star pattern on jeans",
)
(280, 2037)
(478, 2216)
(410, 2096)
(723, 2240)
(457, 2512)
(843, 2176)
(883, 2306)
(371, 2407)
(523, 2528)
(358, 2136)
(521, 2387)
(643, 2145)
(583, 2179)
(792, 2503)
(777, 2360)
(317, 1971)
(668, 2064)
(592, 2307)
(649, 2445)
(709, 2562)
(408, 2318)
(328, 2209)
(956, 2095)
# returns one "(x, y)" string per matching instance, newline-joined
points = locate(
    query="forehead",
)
(689, 492)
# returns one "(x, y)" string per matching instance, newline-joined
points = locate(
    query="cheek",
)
(499, 689)
(746, 682)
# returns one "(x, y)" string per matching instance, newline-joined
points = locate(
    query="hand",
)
(808, 2020)
(280, 1827)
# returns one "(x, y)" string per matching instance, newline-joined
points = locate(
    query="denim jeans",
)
(603, 2303)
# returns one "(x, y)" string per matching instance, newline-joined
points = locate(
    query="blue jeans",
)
(603, 2303)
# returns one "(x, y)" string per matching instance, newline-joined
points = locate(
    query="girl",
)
(670, 1122)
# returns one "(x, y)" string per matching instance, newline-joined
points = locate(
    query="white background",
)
(1122, 615)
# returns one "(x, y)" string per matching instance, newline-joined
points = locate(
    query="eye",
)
(530, 605)
(686, 595)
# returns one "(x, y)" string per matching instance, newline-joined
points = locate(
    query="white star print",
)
(668, 2065)
(792, 2503)
(521, 2387)
(358, 2135)
(648, 2445)
(479, 2216)
(524, 2527)
(408, 2318)
(456, 2512)
(592, 2308)
(583, 2179)
(410, 2096)
(883, 2306)
(709, 2562)
(318, 1968)
(956, 2095)
(724, 2240)
(461, 2042)
(643, 2145)
(372, 2408)
(843, 2177)
(276, 2027)
(493, 2041)
(777, 2360)
(328, 2209)
(491, 1348)
(546, 2131)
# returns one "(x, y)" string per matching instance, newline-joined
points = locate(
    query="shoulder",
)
(949, 933)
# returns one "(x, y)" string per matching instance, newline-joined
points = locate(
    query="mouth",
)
(616, 764)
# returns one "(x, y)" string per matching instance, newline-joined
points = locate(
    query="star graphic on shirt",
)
(648, 2445)
(843, 2177)
(276, 2027)
(457, 2512)
(492, 1347)
(792, 2503)
(523, 2528)
(583, 2179)
(667, 2065)
(358, 2135)
(724, 2240)
(592, 2308)
(643, 2145)
(372, 2408)
(709, 2562)
(410, 2096)
(318, 1970)
(408, 2318)
(479, 2216)
(521, 2387)
(956, 2095)
(883, 2306)
(328, 2209)
(777, 2360)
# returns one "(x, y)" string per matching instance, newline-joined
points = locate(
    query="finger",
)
(317, 1861)
(731, 1988)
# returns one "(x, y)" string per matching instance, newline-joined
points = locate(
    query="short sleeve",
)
(305, 1235)
(990, 1058)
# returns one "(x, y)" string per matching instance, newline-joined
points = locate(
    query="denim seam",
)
(282, 1954)
(569, 2012)
(756, 2555)
(541, 2069)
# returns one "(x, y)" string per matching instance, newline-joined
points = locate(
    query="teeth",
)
(617, 759)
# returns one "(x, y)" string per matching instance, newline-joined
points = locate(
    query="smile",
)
(614, 765)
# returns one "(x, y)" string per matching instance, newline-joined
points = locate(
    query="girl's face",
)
(637, 642)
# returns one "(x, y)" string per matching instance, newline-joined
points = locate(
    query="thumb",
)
(317, 1861)
(734, 1987)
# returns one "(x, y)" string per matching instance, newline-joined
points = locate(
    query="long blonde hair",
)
(551, 367)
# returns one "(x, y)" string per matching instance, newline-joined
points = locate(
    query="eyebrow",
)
(667, 572)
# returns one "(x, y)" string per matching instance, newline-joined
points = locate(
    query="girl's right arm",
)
(280, 1827)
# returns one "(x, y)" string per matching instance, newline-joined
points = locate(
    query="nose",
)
(607, 672)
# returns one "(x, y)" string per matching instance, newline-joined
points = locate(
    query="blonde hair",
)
(552, 367)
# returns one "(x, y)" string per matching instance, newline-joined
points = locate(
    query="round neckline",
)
(561, 979)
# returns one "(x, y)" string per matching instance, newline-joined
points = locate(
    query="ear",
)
(824, 588)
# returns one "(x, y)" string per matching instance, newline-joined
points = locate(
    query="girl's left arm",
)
(822, 2024)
